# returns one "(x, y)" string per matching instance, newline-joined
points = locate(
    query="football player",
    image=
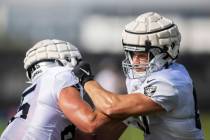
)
(52, 106)
(161, 95)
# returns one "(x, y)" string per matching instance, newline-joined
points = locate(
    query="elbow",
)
(90, 128)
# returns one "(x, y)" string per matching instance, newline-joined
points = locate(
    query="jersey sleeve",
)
(164, 94)
(63, 80)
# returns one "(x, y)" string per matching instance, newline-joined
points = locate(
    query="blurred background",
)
(95, 28)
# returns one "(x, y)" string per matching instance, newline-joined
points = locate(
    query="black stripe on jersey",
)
(68, 133)
(141, 126)
(197, 114)
(11, 120)
(28, 91)
(77, 86)
(146, 125)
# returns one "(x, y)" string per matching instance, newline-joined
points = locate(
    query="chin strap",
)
(159, 62)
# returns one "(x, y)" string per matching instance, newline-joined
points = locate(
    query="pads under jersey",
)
(173, 90)
(39, 116)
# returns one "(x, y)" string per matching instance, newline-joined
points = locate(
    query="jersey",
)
(172, 89)
(39, 116)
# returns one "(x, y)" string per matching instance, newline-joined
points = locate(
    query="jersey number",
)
(68, 133)
(24, 107)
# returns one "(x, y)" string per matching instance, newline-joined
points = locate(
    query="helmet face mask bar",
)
(140, 70)
(132, 70)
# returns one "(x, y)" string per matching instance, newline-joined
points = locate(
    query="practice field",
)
(135, 134)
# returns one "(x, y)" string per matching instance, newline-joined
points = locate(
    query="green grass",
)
(205, 121)
(132, 133)
(135, 134)
(3, 124)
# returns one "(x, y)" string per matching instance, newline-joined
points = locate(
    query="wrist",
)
(88, 85)
(87, 79)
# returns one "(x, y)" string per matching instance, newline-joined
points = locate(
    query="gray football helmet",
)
(154, 34)
(49, 53)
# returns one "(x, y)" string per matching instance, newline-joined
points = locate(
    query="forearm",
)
(99, 120)
(111, 131)
(88, 120)
(79, 112)
(101, 98)
(120, 106)
(112, 104)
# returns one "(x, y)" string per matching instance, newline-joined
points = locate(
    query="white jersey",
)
(172, 89)
(39, 116)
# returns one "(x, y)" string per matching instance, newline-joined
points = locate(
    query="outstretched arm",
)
(118, 106)
(112, 104)
(79, 112)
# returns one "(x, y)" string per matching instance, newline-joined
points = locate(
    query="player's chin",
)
(140, 70)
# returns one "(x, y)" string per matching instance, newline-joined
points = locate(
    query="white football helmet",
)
(154, 34)
(49, 53)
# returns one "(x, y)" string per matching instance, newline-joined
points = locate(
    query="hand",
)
(83, 72)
